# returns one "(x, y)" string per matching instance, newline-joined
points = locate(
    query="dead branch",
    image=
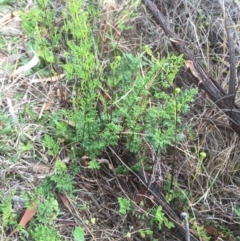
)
(196, 73)
(232, 58)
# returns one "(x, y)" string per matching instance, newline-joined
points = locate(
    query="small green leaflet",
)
(78, 234)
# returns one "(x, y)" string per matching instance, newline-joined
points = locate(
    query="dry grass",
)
(214, 185)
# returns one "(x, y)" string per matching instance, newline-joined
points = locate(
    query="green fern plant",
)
(126, 112)
(131, 99)
(62, 180)
(8, 217)
(44, 233)
(124, 205)
(40, 27)
(51, 145)
(199, 229)
(160, 219)
(47, 211)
